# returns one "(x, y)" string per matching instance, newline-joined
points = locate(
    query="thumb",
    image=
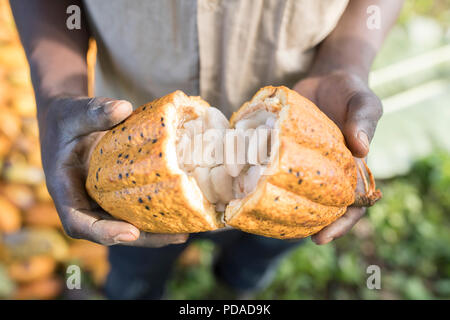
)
(87, 115)
(363, 112)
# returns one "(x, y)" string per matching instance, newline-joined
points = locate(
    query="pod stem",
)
(371, 194)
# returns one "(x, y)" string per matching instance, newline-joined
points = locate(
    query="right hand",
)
(69, 131)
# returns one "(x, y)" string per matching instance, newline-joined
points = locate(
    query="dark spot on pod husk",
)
(140, 149)
(282, 234)
(132, 161)
(140, 200)
(160, 154)
(96, 175)
(115, 140)
(147, 207)
(118, 162)
(120, 176)
(123, 129)
(298, 174)
(129, 138)
(119, 155)
(326, 153)
(318, 172)
(154, 140)
(162, 213)
(163, 124)
(95, 186)
(144, 108)
(101, 151)
(127, 174)
(290, 170)
(300, 181)
(149, 198)
(276, 199)
(156, 191)
(142, 135)
(126, 156)
(155, 216)
(162, 119)
(134, 182)
(114, 131)
(321, 184)
(158, 175)
(296, 207)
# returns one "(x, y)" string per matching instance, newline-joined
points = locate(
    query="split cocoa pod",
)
(148, 170)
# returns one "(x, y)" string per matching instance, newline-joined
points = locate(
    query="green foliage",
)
(197, 281)
(436, 9)
(406, 234)
(6, 284)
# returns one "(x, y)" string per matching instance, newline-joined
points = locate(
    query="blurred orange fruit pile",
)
(34, 252)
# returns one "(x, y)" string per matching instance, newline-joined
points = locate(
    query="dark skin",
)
(70, 123)
(338, 84)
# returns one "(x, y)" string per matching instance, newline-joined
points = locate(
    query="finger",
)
(84, 116)
(363, 112)
(89, 225)
(339, 227)
(82, 220)
(157, 240)
(79, 219)
(99, 227)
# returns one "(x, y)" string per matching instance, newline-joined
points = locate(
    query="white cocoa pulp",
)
(226, 163)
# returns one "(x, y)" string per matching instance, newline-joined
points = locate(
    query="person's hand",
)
(347, 100)
(69, 131)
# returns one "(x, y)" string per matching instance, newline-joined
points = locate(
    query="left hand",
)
(347, 100)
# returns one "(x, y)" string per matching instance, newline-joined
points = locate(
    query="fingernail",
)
(110, 106)
(323, 241)
(364, 139)
(180, 240)
(125, 237)
(328, 240)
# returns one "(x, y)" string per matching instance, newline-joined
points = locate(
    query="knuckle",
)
(70, 228)
(97, 114)
(94, 103)
(367, 100)
(94, 108)
(352, 79)
(103, 236)
(359, 99)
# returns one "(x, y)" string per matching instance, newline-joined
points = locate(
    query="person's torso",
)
(223, 50)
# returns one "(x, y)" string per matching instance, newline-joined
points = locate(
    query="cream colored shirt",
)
(222, 50)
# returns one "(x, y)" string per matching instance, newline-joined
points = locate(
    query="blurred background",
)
(407, 234)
